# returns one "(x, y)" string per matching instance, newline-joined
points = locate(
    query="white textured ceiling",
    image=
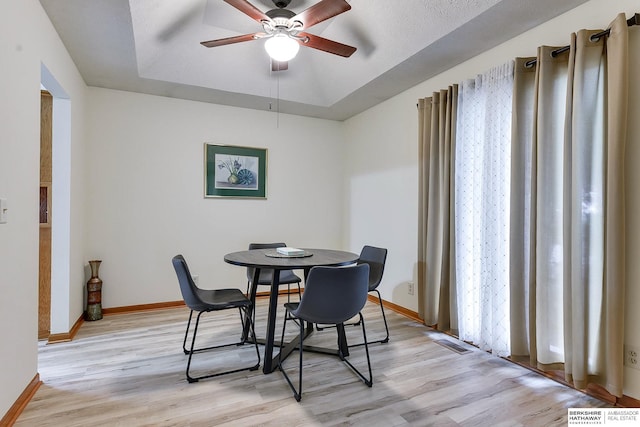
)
(153, 46)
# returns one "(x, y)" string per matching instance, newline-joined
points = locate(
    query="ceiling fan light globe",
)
(281, 47)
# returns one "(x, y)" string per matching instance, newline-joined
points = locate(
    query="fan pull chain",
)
(271, 73)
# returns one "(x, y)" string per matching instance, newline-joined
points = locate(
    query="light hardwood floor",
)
(128, 370)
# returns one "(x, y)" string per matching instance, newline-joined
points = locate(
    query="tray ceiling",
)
(153, 46)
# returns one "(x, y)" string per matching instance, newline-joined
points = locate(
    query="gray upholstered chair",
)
(375, 258)
(332, 296)
(208, 300)
(287, 277)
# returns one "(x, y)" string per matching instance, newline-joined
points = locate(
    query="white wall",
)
(382, 155)
(145, 174)
(382, 198)
(27, 40)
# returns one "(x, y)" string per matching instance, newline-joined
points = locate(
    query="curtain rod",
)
(634, 20)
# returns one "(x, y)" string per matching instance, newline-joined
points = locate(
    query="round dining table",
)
(259, 259)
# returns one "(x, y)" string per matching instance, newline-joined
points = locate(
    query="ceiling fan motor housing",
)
(281, 3)
(281, 20)
(280, 13)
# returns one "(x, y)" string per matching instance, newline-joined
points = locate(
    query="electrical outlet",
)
(631, 357)
(410, 288)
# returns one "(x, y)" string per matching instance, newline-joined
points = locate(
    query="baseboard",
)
(398, 309)
(593, 390)
(67, 336)
(25, 397)
(628, 402)
(142, 307)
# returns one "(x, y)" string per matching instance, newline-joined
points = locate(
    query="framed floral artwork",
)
(233, 171)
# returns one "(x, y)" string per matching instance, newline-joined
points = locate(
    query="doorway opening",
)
(44, 270)
(59, 206)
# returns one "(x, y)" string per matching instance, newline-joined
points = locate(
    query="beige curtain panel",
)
(567, 209)
(436, 263)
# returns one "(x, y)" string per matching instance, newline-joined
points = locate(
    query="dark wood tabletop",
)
(257, 258)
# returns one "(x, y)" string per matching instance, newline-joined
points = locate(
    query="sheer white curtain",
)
(482, 175)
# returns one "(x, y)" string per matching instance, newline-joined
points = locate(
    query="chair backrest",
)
(334, 294)
(376, 258)
(187, 285)
(250, 271)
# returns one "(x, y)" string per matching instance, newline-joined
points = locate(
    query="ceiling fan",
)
(285, 31)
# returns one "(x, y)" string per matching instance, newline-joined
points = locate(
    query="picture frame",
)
(235, 171)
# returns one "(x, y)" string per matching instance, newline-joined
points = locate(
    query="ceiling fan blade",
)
(279, 65)
(321, 11)
(231, 40)
(327, 45)
(248, 9)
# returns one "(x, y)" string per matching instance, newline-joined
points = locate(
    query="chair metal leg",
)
(386, 327)
(197, 350)
(369, 381)
(192, 350)
(193, 341)
(243, 319)
(184, 343)
(289, 300)
(289, 292)
(297, 394)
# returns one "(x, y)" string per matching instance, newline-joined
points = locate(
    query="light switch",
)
(3, 211)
